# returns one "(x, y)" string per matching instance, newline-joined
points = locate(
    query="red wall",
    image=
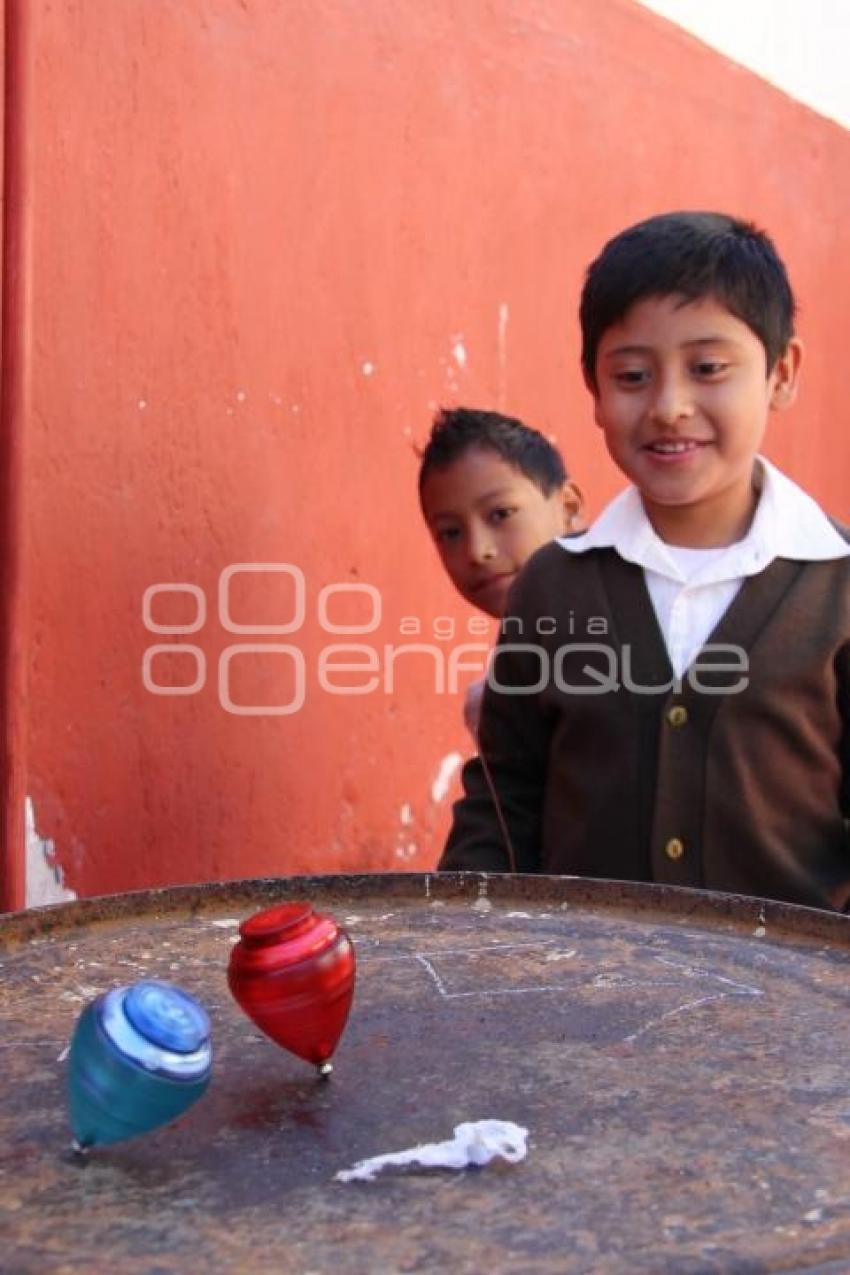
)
(260, 229)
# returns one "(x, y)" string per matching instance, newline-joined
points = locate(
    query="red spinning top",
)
(293, 973)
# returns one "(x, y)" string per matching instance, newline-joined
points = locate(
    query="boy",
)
(687, 719)
(492, 491)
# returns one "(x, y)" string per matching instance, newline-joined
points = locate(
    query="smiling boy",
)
(719, 755)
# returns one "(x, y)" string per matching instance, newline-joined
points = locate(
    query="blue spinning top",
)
(139, 1057)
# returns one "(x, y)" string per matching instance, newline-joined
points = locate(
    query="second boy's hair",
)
(697, 254)
(458, 430)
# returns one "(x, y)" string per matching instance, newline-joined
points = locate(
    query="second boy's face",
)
(487, 519)
(683, 398)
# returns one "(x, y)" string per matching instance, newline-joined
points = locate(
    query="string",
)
(509, 845)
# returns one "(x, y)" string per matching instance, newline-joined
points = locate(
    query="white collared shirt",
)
(691, 589)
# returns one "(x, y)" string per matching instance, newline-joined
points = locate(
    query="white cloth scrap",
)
(475, 1142)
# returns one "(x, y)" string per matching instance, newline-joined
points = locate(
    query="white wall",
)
(801, 46)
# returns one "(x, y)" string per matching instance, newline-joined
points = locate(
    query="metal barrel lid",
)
(678, 1058)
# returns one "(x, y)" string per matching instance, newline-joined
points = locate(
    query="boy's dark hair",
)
(457, 430)
(697, 254)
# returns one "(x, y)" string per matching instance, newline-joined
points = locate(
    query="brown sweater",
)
(744, 790)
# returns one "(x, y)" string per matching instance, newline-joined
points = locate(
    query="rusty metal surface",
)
(682, 1062)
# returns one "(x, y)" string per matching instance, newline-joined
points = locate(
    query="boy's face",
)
(683, 399)
(487, 518)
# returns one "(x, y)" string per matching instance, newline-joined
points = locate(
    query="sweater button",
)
(677, 715)
(674, 849)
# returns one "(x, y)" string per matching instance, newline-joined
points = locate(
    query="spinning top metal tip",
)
(324, 1069)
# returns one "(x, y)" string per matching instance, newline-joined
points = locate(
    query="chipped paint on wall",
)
(459, 351)
(502, 353)
(45, 879)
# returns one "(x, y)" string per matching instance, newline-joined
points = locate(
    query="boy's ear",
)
(785, 375)
(589, 382)
(572, 502)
